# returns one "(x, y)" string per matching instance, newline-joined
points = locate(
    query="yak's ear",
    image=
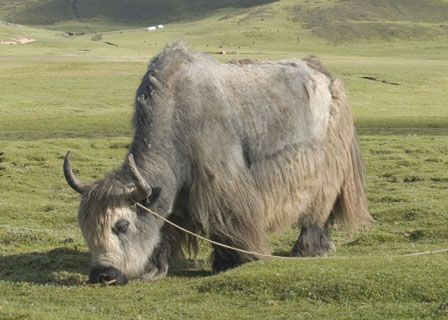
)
(154, 195)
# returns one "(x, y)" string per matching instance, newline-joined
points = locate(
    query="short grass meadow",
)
(76, 93)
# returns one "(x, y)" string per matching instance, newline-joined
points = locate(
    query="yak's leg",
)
(224, 259)
(314, 241)
(227, 196)
(157, 268)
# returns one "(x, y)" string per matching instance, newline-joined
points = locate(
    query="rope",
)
(268, 255)
(422, 253)
(208, 240)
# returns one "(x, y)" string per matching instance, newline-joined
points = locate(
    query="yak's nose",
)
(107, 275)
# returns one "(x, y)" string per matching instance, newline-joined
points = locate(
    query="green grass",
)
(73, 93)
(275, 290)
(113, 12)
(353, 20)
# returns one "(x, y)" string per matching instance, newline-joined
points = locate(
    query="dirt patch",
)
(24, 40)
(18, 41)
(8, 42)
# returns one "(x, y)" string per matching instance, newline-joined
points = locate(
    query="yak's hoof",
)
(313, 241)
(301, 252)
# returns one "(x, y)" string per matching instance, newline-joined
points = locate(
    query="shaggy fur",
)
(237, 149)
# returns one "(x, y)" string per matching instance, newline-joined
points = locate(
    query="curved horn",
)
(72, 181)
(143, 189)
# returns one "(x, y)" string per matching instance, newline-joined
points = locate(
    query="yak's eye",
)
(121, 226)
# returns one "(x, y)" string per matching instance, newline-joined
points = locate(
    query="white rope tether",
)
(269, 255)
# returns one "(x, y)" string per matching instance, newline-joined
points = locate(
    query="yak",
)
(231, 150)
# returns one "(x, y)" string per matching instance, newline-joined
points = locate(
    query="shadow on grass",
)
(60, 266)
(382, 126)
(365, 125)
(189, 268)
(188, 273)
(65, 266)
(282, 253)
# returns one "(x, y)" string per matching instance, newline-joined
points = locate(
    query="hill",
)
(384, 19)
(332, 20)
(131, 12)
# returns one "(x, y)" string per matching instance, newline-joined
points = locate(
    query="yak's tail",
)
(351, 205)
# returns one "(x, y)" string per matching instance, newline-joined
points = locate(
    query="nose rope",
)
(268, 255)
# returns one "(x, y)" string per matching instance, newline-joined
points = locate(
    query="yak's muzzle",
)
(103, 274)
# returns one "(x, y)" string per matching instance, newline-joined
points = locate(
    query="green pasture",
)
(76, 93)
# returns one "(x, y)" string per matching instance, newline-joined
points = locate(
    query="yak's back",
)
(270, 104)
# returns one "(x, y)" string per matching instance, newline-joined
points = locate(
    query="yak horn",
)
(143, 189)
(72, 181)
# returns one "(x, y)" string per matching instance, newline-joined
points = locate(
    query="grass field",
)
(76, 93)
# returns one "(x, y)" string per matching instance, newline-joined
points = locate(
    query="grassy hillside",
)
(113, 12)
(75, 91)
(336, 21)
(365, 19)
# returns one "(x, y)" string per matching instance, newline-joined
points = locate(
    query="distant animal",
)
(230, 150)
(151, 28)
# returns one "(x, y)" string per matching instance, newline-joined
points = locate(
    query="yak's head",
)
(120, 235)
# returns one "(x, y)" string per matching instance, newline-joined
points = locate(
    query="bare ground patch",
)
(21, 40)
